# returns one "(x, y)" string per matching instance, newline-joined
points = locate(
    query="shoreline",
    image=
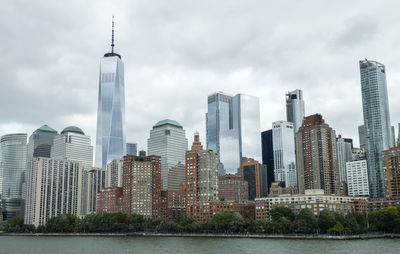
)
(253, 236)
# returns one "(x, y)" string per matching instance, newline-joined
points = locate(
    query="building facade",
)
(131, 149)
(317, 166)
(376, 122)
(233, 188)
(295, 111)
(256, 175)
(110, 133)
(268, 156)
(233, 130)
(93, 182)
(357, 178)
(53, 187)
(40, 142)
(109, 200)
(344, 154)
(13, 150)
(114, 173)
(391, 167)
(168, 140)
(73, 144)
(284, 153)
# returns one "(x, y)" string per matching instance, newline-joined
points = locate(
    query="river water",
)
(188, 245)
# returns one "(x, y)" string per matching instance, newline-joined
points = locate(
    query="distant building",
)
(317, 165)
(168, 140)
(109, 200)
(344, 154)
(284, 153)
(277, 189)
(362, 138)
(13, 151)
(256, 175)
(376, 122)
(295, 111)
(233, 130)
(142, 186)
(391, 167)
(114, 173)
(54, 187)
(358, 154)
(94, 182)
(357, 178)
(268, 156)
(73, 144)
(131, 149)
(233, 188)
(40, 142)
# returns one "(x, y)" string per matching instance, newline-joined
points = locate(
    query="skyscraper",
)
(256, 175)
(268, 156)
(357, 178)
(295, 111)
(362, 138)
(131, 149)
(391, 166)
(317, 166)
(40, 142)
(73, 144)
(344, 154)
(284, 153)
(168, 140)
(110, 136)
(13, 149)
(233, 130)
(376, 122)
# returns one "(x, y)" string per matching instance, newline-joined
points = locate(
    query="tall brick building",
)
(391, 167)
(233, 188)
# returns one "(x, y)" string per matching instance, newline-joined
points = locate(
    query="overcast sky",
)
(178, 52)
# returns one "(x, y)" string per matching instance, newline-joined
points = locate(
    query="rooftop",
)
(73, 129)
(47, 128)
(167, 121)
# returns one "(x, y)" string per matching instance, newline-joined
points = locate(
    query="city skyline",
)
(331, 88)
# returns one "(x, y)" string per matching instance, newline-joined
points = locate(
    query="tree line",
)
(283, 221)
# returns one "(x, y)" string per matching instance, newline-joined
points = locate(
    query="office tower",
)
(13, 149)
(53, 187)
(317, 165)
(295, 111)
(284, 153)
(357, 178)
(233, 130)
(376, 122)
(362, 138)
(233, 188)
(268, 156)
(93, 183)
(114, 173)
(168, 140)
(110, 135)
(256, 175)
(391, 167)
(344, 154)
(131, 149)
(141, 187)
(73, 144)
(201, 174)
(40, 142)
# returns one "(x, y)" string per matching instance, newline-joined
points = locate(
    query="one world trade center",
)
(110, 135)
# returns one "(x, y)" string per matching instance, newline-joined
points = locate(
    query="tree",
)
(281, 211)
(326, 220)
(62, 223)
(305, 222)
(337, 229)
(351, 224)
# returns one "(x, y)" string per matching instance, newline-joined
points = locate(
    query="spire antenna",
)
(112, 36)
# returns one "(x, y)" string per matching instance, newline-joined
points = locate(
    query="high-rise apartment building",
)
(295, 111)
(110, 134)
(344, 154)
(256, 175)
(53, 187)
(201, 175)
(268, 156)
(376, 122)
(168, 140)
(114, 173)
(233, 130)
(13, 150)
(93, 182)
(73, 144)
(391, 166)
(233, 188)
(317, 165)
(141, 186)
(284, 153)
(357, 178)
(131, 149)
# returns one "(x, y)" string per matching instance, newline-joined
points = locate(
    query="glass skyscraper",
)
(295, 111)
(284, 153)
(377, 126)
(233, 130)
(131, 149)
(110, 136)
(13, 149)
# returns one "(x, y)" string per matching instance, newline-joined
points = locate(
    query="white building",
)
(357, 178)
(114, 173)
(53, 187)
(94, 182)
(73, 144)
(168, 140)
(295, 111)
(284, 153)
(344, 154)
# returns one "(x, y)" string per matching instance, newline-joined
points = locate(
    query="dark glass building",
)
(268, 155)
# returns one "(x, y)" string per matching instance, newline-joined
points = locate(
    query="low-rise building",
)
(203, 211)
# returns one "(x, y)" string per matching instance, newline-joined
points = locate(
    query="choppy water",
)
(189, 245)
